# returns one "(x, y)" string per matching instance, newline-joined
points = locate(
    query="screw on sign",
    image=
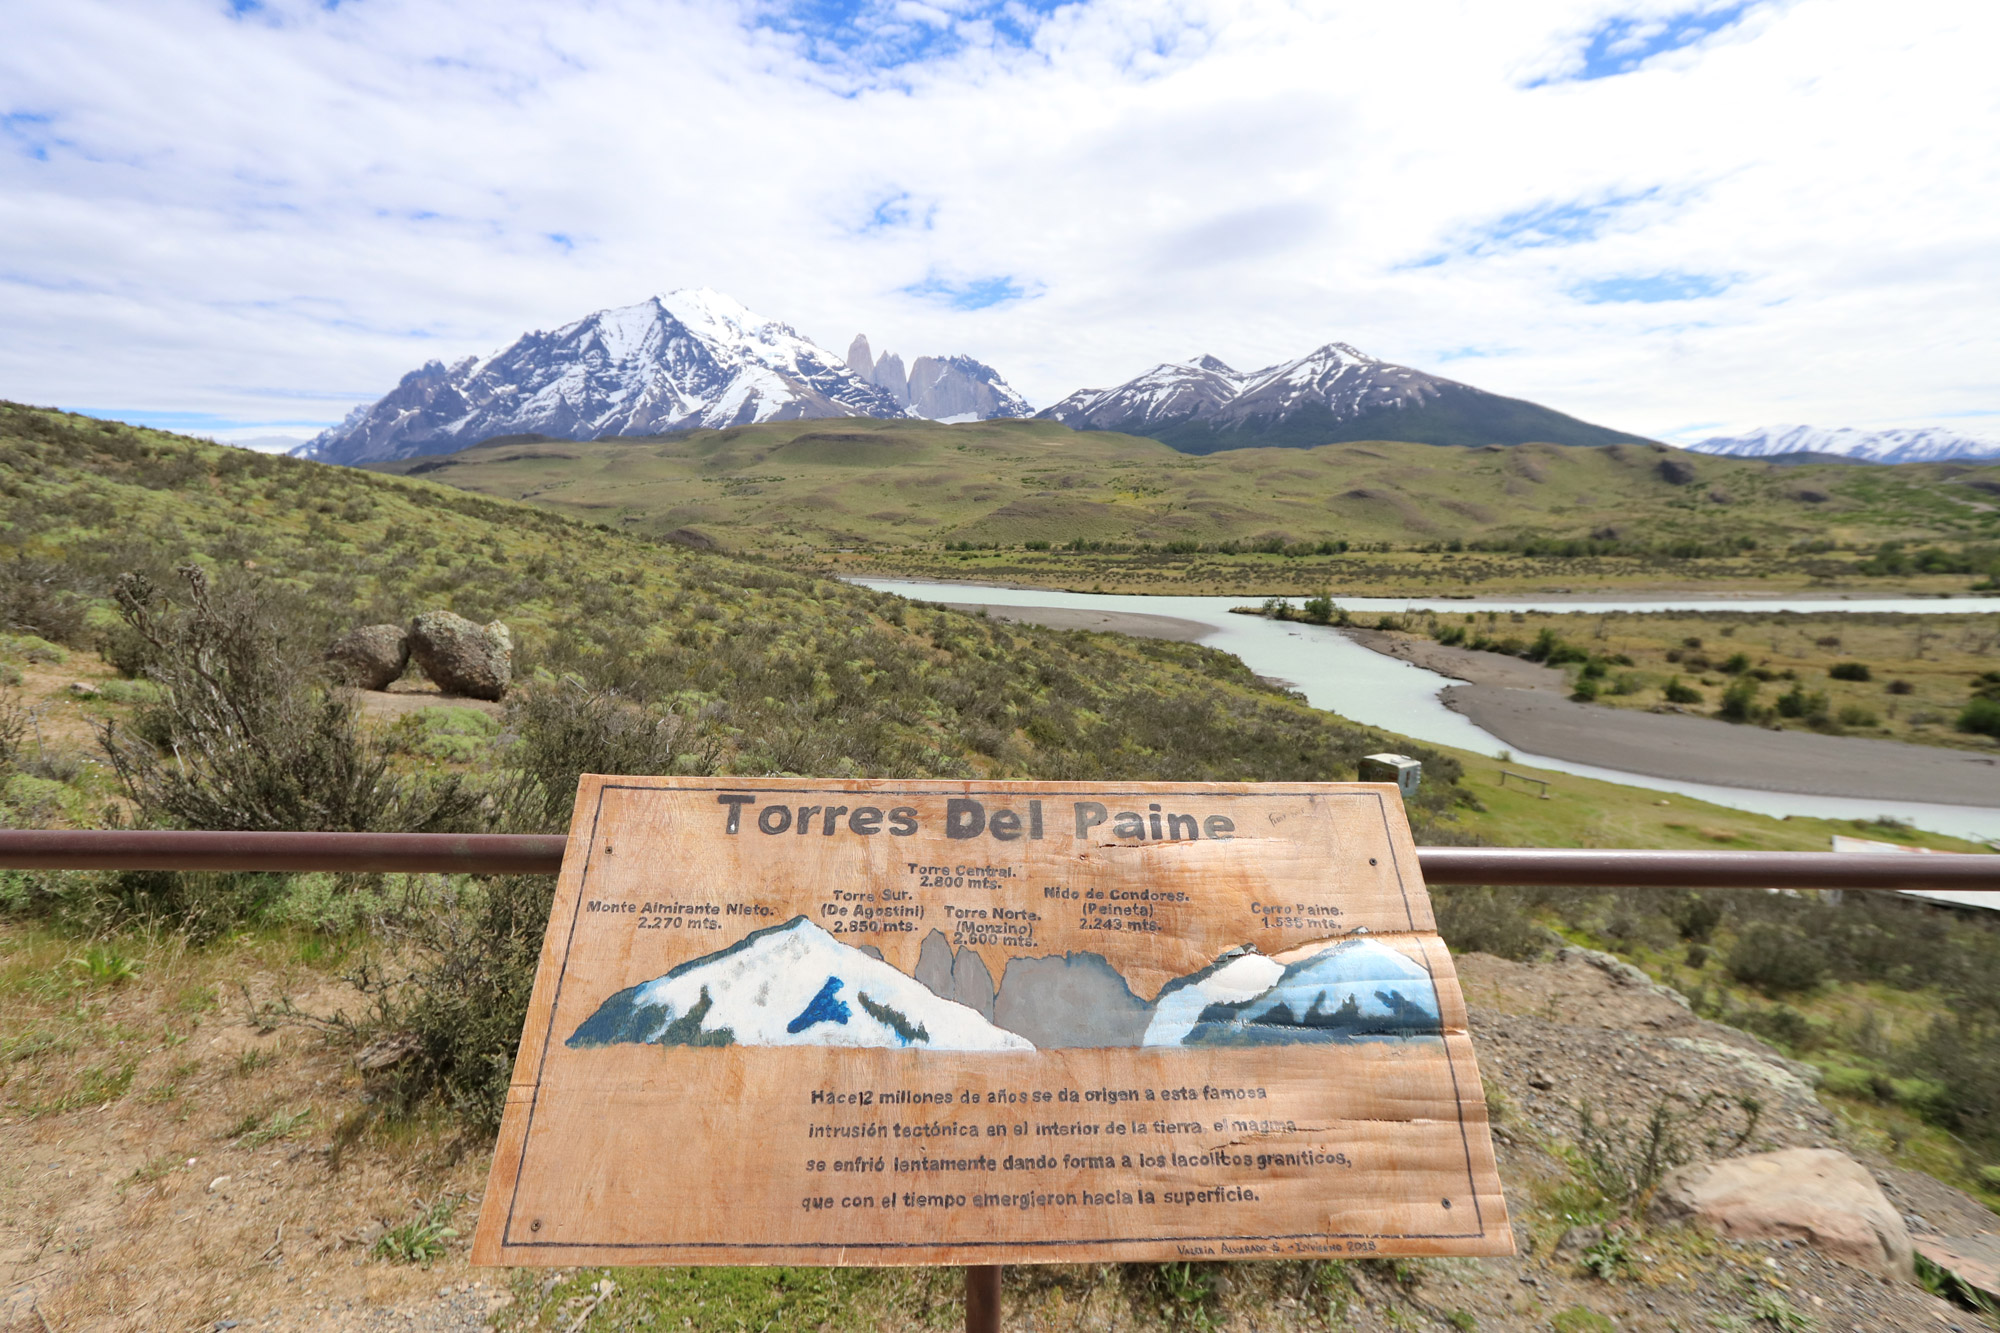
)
(806, 1022)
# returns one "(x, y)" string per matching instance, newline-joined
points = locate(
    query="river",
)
(1341, 676)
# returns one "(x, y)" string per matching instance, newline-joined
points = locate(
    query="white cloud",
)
(253, 222)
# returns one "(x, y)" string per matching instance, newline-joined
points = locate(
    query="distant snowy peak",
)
(1922, 445)
(692, 358)
(1331, 394)
(940, 388)
(1171, 392)
(1336, 378)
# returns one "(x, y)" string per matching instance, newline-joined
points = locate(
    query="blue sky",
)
(244, 218)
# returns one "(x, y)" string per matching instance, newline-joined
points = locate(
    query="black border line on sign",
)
(576, 914)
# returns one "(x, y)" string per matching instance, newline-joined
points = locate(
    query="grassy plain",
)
(1900, 677)
(1127, 514)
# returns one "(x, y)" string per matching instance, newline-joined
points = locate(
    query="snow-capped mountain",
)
(950, 389)
(1356, 988)
(1923, 445)
(1335, 393)
(689, 358)
(790, 985)
(1235, 978)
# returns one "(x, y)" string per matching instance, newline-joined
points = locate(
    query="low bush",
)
(1850, 671)
(1624, 1163)
(456, 1015)
(1739, 701)
(1695, 917)
(1776, 958)
(42, 598)
(248, 736)
(1981, 717)
(1678, 693)
(1483, 920)
(1798, 702)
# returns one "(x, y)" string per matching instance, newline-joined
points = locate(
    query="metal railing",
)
(535, 854)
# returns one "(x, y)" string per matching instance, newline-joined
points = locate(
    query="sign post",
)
(920, 1022)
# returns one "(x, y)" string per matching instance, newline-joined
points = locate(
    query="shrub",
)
(1797, 702)
(1776, 958)
(1901, 687)
(1696, 918)
(1980, 717)
(1585, 691)
(1482, 920)
(41, 598)
(1623, 1164)
(251, 739)
(1737, 664)
(460, 1014)
(1320, 610)
(1850, 671)
(1677, 693)
(15, 723)
(567, 729)
(1854, 715)
(1739, 701)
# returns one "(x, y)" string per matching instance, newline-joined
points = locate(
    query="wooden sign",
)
(818, 1022)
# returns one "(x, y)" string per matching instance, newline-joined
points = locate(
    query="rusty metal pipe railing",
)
(363, 853)
(1706, 870)
(527, 854)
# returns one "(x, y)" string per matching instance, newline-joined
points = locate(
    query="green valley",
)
(1033, 502)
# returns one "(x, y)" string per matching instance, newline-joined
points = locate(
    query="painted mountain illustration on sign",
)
(796, 985)
(1356, 988)
(790, 985)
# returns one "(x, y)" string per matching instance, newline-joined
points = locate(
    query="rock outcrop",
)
(1816, 1195)
(463, 658)
(370, 658)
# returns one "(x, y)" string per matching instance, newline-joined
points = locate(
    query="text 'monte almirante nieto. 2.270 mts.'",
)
(896, 1022)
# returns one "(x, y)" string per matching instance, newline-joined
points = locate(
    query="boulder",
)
(1817, 1195)
(371, 657)
(476, 661)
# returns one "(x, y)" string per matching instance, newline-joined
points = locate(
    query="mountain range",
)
(1330, 396)
(1816, 444)
(696, 358)
(688, 359)
(795, 984)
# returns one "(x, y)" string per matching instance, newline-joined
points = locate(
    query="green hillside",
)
(905, 490)
(788, 672)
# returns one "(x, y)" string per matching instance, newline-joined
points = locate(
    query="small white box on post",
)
(1400, 769)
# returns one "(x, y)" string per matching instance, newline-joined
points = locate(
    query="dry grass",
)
(207, 1188)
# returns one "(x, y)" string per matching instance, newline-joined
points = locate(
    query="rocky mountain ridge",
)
(1921, 445)
(1331, 395)
(691, 358)
(950, 389)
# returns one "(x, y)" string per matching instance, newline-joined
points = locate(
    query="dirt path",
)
(1524, 705)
